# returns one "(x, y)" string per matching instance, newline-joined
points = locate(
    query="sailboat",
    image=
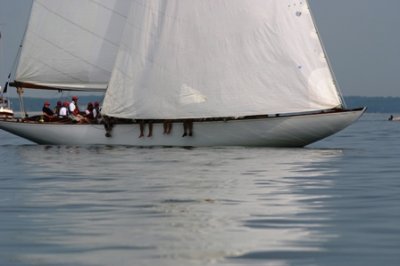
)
(5, 108)
(229, 72)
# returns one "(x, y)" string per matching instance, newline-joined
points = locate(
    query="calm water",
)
(336, 202)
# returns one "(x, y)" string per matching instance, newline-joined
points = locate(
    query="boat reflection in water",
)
(117, 205)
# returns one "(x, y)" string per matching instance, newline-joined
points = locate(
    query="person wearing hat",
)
(58, 108)
(48, 114)
(64, 110)
(73, 106)
(75, 114)
(96, 112)
(89, 111)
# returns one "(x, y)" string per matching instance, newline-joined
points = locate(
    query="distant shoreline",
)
(375, 104)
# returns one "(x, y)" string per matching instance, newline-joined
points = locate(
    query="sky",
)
(361, 38)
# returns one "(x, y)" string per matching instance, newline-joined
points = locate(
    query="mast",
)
(1, 65)
(20, 90)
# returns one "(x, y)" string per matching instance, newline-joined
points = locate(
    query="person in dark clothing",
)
(96, 111)
(89, 112)
(48, 114)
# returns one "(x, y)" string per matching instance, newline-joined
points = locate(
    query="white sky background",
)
(362, 38)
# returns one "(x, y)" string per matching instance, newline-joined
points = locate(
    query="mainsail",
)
(71, 44)
(235, 57)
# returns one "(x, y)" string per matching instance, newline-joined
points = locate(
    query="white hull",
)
(281, 131)
(6, 112)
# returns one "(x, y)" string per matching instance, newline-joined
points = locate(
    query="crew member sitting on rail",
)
(142, 124)
(187, 127)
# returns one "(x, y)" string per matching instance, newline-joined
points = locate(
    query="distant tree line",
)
(374, 104)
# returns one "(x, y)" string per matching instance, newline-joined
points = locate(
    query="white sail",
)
(72, 44)
(241, 57)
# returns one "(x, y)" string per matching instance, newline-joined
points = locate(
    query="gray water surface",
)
(336, 202)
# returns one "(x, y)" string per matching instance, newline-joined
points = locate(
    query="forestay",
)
(72, 44)
(218, 58)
